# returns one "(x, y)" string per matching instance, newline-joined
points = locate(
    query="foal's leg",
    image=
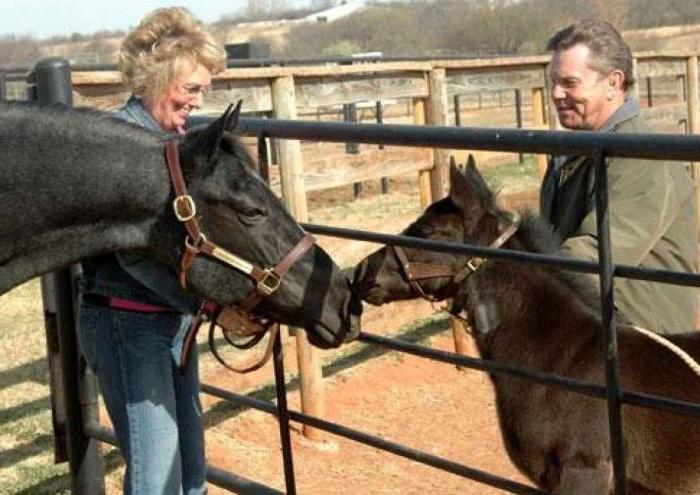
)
(582, 480)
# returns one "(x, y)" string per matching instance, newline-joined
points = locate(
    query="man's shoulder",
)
(635, 124)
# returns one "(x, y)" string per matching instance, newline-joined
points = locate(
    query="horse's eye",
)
(251, 216)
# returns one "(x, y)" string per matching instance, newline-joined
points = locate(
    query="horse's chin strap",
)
(413, 272)
(235, 321)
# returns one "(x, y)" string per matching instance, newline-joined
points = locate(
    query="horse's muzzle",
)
(349, 329)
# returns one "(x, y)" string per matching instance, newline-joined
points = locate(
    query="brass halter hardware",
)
(184, 208)
(266, 280)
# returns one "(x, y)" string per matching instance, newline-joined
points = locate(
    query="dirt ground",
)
(421, 403)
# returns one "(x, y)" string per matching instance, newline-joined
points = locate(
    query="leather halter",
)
(237, 320)
(421, 271)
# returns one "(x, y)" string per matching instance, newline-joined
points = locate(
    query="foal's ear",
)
(463, 186)
(471, 163)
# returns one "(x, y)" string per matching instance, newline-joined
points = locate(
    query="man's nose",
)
(558, 92)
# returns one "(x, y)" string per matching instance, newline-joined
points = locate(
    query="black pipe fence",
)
(598, 145)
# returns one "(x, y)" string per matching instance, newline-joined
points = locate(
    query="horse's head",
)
(468, 215)
(237, 212)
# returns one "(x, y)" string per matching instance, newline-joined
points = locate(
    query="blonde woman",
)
(133, 313)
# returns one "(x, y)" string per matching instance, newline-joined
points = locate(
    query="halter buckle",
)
(184, 207)
(475, 263)
(269, 283)
(193, 245)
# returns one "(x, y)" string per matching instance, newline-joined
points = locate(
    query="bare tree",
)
(19, 50)
(322, 4)
(616, 12)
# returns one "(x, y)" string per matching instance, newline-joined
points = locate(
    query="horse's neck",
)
(530, 315)
(65, 200)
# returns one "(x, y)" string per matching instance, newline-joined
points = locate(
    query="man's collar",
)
(628, 110)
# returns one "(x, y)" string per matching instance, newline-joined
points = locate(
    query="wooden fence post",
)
(635, 72)
(539, 112)
(552, 116)
(294, 197)
(693, 108)
(436, 114)
(423, 175)
(465, 345)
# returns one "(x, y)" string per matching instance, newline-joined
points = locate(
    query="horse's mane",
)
(537, 236)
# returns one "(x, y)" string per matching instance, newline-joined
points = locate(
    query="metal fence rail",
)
(598, 146)
(680, 147)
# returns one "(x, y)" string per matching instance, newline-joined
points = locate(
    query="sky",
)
(45, 18)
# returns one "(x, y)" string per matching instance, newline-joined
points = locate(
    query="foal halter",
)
(412, 272)
(236, 320)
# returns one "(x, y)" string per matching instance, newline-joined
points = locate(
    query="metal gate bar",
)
(219, 477)
(380, 443)
(607, 300)
(680, 147)
(624, 271)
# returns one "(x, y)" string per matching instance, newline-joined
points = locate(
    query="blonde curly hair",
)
(153, 55)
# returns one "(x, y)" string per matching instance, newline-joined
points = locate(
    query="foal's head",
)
(468, 215)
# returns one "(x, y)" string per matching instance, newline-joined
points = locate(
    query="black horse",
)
(79, 183)
(548, 320)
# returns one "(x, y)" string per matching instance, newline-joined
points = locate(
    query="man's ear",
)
(616, 80)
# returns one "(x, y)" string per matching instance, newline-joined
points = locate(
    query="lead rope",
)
(273, 333)
(684, 356)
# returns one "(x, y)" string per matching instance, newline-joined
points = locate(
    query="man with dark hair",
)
(652, 203)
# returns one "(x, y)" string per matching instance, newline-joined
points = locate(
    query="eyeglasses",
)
(194, 89)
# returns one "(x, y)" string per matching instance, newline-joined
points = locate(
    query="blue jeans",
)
(155, 409)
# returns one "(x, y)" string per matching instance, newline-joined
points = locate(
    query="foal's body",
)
(561, 439)
(549, 320)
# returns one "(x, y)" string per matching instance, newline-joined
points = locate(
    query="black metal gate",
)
(78, 395)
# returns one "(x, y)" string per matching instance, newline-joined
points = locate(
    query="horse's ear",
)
(232, 116)
(462, 190)
(215, 132)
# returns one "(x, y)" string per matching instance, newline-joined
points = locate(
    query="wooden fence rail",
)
(430, 86)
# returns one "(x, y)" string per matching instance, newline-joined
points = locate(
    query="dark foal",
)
(549, 320)
(77, 183)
